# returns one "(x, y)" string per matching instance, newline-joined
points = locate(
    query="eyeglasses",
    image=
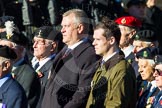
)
(159, 72)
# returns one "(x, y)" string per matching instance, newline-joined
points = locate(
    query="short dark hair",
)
(110, 28)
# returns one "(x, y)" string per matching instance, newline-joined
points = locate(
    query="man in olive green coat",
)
(114, 83)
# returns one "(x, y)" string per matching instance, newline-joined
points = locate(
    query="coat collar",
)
(113, 60)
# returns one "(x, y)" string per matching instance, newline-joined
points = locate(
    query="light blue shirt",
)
(4, 79)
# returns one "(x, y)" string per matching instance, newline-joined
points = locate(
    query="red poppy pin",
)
(40, 74)
(160, 102)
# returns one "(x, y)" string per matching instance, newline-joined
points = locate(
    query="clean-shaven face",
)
(101, 44)
(69, 30)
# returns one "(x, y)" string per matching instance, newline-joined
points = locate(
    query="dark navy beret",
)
(147, 53)
(145, 35)
(46, 32)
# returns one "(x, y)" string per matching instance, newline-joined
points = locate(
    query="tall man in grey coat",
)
(69, 84)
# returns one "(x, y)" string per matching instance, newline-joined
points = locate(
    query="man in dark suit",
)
(69, 84)
(22, 70)
(47, 43)
(12, 95)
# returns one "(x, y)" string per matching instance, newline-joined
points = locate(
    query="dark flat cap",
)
(7, 52)
(147, 53)
(158, 59)
(145, 35)
(46, 32)
(135, 2)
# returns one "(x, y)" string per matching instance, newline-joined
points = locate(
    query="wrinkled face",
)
(158, 75)
(137, 11)
(42, 48)
(69, 30)
(101, 44)
(145, 69)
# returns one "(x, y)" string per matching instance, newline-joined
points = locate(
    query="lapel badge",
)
(39, 34)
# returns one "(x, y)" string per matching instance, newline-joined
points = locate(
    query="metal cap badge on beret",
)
(7, 52)
(129, 21)
(158, 59)
(145, 35)
(46, 32)
(147, 53)
(136, 2)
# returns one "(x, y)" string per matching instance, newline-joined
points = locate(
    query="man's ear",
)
(54, 45)
(6, 65)
(112, 40)
(132, 34)
(80, 28)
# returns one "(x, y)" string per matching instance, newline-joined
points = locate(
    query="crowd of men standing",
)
(80, 54)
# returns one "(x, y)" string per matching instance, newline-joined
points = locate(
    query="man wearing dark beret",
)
(146, 69)
(144, 38)
(12, 95)
(47, 43)
(22, 70)
(157, 101)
